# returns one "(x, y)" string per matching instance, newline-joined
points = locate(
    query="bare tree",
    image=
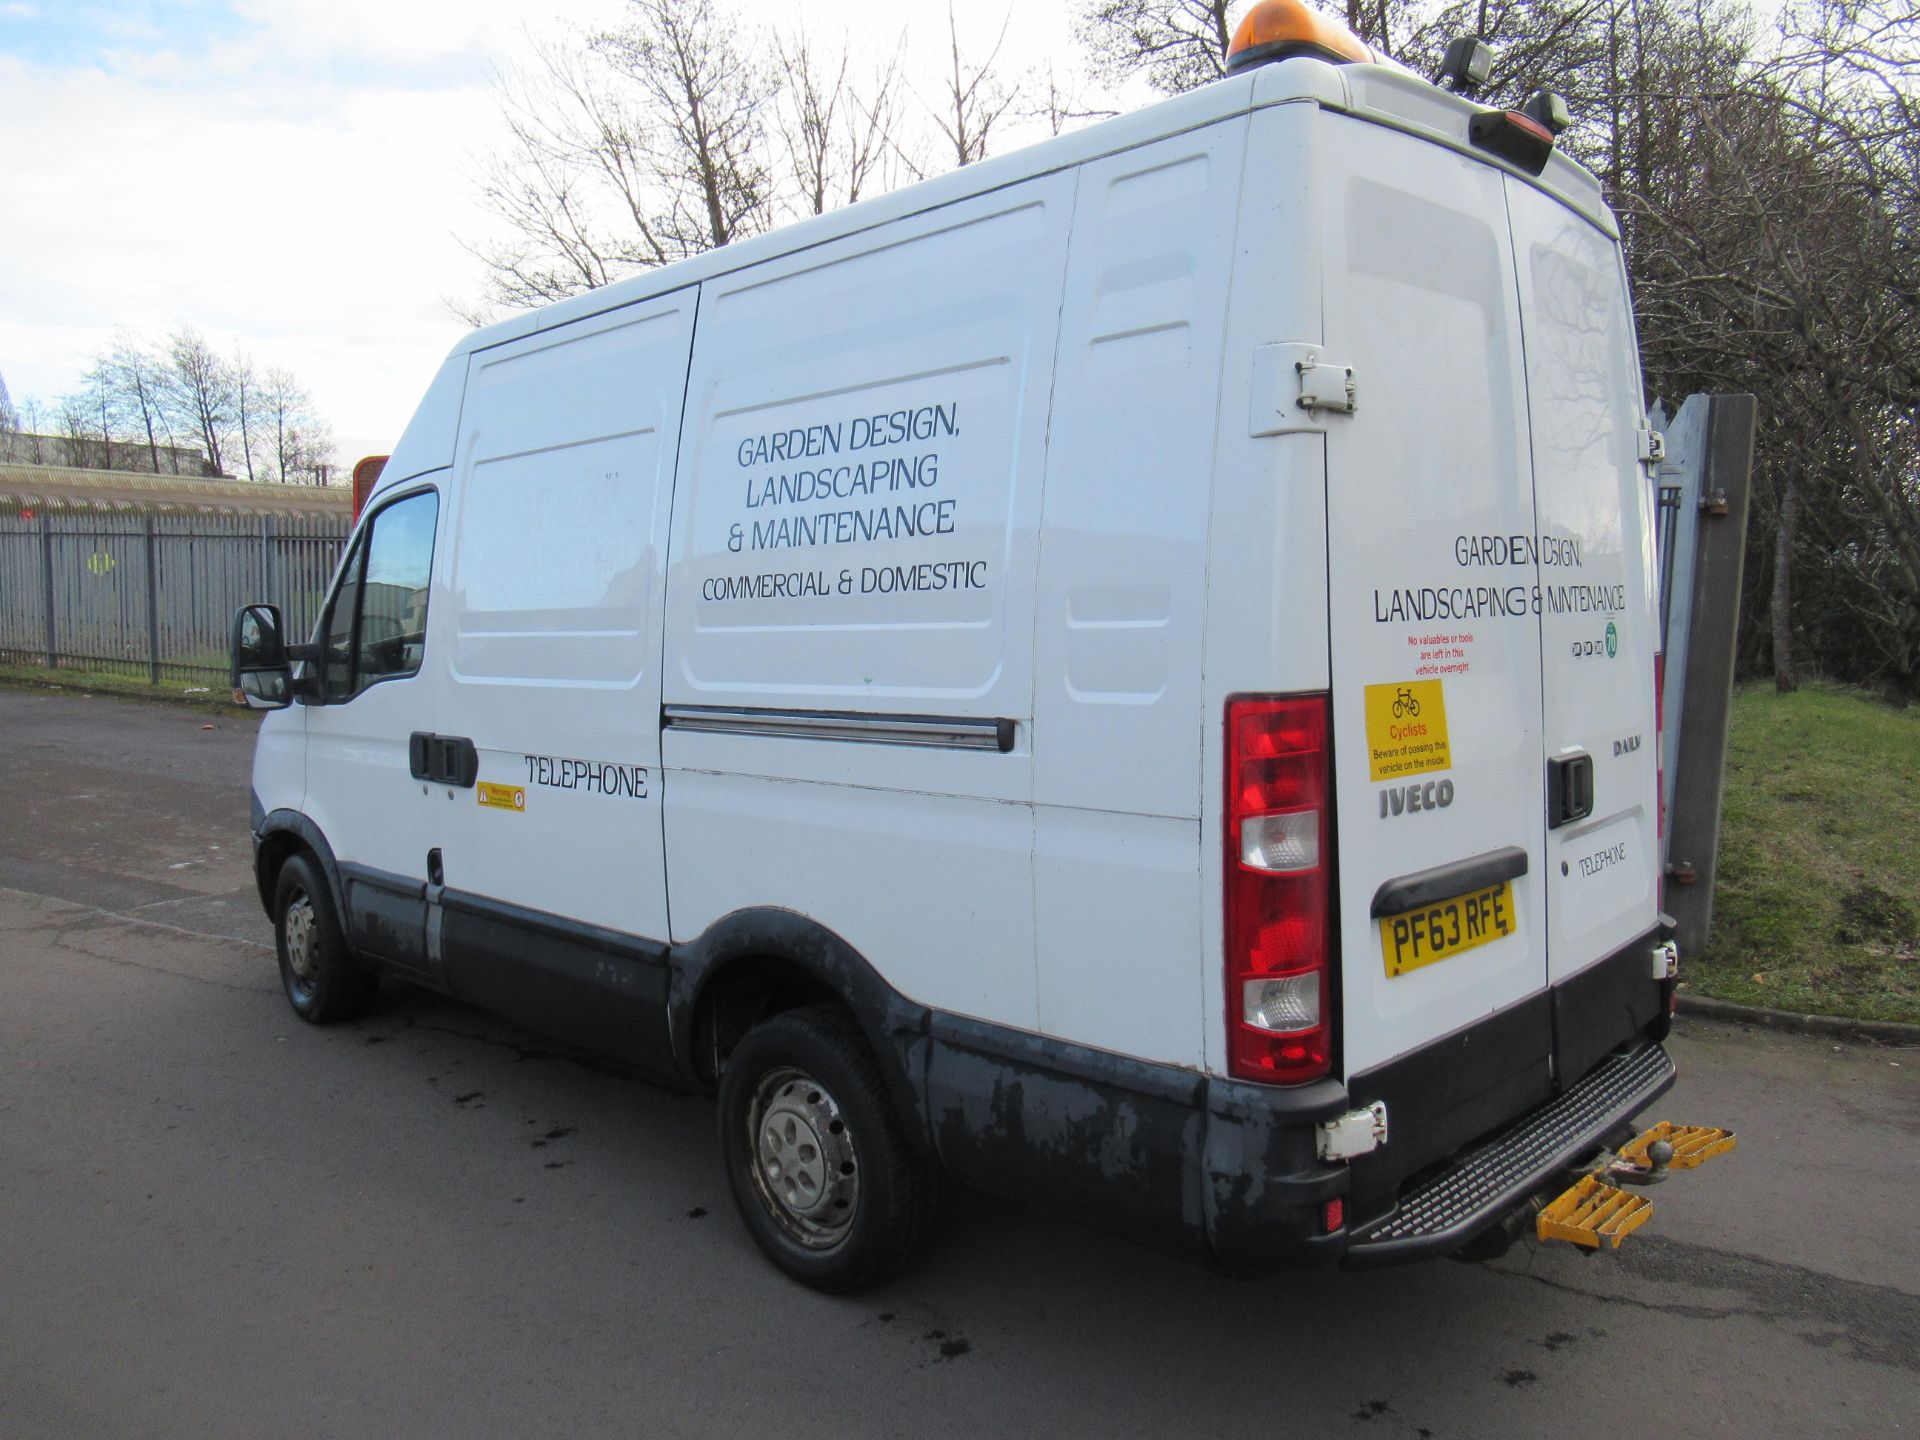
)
(976, 96)
(1061, 106)
(138, 382)
(199, 387)
(87, 421)
(300, 442)
(838, 140)
(9, 417)
(707, 103)
(32, 420)
(1174, 44)
(246, 402)
(643, 145)
(571, 184)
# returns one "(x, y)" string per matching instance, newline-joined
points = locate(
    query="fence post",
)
(1693, 829)
(266, 558)
(153, 605)
(46, 571)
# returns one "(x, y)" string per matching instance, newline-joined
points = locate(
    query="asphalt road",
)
(215, 1220)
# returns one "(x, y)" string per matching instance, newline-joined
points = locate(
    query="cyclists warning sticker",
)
(1407, 729)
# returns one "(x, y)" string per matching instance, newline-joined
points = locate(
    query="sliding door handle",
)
(443, 759)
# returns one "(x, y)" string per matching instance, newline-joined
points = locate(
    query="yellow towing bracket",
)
(1692, 1145)
(1594, 1213)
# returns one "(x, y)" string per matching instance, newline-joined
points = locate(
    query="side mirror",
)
(262, 676)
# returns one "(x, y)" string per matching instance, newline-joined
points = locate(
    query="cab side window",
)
(377, 629)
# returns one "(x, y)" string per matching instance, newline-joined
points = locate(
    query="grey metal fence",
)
(152, 596)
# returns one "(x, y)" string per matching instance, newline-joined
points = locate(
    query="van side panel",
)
(1122, 597)
(855, 534)
(556, 567)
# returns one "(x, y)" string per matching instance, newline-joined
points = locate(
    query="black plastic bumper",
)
(1229, 1174)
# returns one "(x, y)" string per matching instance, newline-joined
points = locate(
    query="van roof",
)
(1384, 94)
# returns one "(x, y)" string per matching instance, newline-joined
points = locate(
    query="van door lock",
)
(1569, 788)
(443, 759)
(1357, 1132)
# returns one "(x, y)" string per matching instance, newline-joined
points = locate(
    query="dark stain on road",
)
(1879, 1323)
(1558, 1340)
(558, 1132)
(698, 1212)
(1518, 1379)
(1373, 1410)
(952, 1347)
(469, 1097)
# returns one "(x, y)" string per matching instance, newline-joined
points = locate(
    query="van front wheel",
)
(817, 1162)
(322, 980)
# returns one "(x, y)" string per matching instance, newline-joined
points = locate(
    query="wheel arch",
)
(759, 961)
(283, 834)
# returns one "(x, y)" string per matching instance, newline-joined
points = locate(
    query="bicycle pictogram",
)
(1404, 704)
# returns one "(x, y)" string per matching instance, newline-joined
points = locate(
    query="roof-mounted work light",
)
(1467, 65)
(1279, 29)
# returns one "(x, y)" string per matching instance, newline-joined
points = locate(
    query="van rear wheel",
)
(322, 980)
(817, 1161)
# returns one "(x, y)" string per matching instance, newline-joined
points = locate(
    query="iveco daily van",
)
(1123, 675)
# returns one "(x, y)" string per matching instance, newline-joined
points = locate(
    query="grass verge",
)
(1818, 902)
(197, 693)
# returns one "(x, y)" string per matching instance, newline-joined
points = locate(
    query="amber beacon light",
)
(1277, 29)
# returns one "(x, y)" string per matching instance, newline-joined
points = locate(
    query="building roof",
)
(57, 487)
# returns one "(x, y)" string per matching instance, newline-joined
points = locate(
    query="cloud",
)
(291, 175)
(261, 190)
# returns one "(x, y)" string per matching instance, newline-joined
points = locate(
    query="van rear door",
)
(1598, 618)
(1435, 646)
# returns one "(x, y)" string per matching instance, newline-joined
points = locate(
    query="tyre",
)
(817, 1160)
(323, 981)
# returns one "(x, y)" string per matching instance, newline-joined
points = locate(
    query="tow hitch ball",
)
(1595, 1211)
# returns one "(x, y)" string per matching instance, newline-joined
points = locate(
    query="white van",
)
(1124, 675)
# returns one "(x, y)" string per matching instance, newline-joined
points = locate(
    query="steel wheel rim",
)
(300, 933)
(801, 1154)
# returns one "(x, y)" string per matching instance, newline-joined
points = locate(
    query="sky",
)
(294, 177)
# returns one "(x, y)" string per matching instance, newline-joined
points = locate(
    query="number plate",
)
(1445, 928)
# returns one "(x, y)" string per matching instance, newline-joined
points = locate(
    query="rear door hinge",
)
(1652, 445)
(1358, 1132)
(1295, 386)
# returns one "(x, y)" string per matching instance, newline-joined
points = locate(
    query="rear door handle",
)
(1444, 882)
(443, 759)
(1569, 789)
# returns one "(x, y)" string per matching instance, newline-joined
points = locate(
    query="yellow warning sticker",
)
(1407, 729)
(503, 797)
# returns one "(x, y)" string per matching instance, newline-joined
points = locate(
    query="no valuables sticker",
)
(1407, 729)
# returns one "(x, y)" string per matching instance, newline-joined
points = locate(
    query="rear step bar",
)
(1442, 1212)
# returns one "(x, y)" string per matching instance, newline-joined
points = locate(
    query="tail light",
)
(1277, 868)
(1518, 139)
